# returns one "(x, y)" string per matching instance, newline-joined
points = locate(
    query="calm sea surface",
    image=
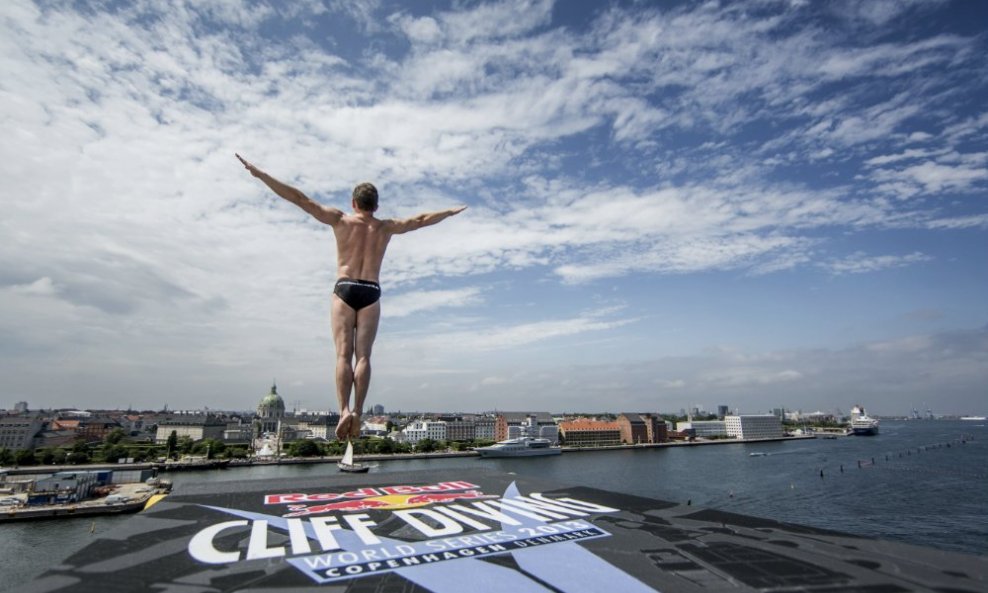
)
(919, 490)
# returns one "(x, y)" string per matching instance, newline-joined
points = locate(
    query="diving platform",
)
(453, 531)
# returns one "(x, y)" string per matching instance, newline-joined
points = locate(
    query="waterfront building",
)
(703, 428)
(584, 432)
(509, 425)
(425, 429)
(641, 428)
(754, 426)
(237, 433)
(633, 429)
(316, 426)
(60, 423)
(18, 432)
(53, 438)
(484, 427)
(817, 417)
(460, 428)
(131, 423)
(195, 426)
(17, 484)
(376, 425)
(64, 487)
(95, 428)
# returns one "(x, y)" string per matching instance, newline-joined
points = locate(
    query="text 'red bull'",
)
(362, 493)
(385, 503)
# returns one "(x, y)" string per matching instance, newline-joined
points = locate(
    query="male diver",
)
(361, 240)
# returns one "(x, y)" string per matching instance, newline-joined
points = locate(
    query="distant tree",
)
(185, 444)
(390, 426)
(115, 436)
(237, 452)
(304, 448)
(335, 448)
(171, 445)
(77, 457)
(113, 453)
(426, 446)
(25, 457)
(6, 456)
(143, 453)
(59, 455)
(47, 456)
(211, 448)
(384, 446)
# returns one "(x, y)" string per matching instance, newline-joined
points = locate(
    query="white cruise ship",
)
(862, 423)
(520, 447)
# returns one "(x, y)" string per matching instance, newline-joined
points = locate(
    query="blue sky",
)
(757, 204)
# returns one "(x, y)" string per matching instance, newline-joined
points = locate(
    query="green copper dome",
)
(272, 400)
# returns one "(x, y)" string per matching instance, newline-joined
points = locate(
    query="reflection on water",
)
(917, 490)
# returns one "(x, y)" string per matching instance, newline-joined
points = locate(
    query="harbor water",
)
(918, 482)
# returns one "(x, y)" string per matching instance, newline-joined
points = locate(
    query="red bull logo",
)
(388, 502)
(376, 498)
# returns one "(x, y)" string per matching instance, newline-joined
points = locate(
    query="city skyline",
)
(764, 203)
(836, 411)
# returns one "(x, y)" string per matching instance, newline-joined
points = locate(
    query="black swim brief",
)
(357, 293)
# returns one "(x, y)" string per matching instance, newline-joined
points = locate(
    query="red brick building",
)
(584, 432)
(642, 428)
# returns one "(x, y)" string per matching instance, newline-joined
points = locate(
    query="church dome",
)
(271, 402)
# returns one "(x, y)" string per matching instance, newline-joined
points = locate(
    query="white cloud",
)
(420, 30)
(496, 20)
(361, 11)
(909, 154)
(40, 287)
(935, 177)
(504, 337)
(931, 177)
(859, 262)
(959, 222)
(425, 300)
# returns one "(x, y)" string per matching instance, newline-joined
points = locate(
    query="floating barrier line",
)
(893, 456)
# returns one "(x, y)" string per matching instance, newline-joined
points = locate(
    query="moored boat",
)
(520, 447)
(191, 462)
(861, 423)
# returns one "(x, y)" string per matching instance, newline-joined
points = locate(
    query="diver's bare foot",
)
(344, 426)
(355, 425)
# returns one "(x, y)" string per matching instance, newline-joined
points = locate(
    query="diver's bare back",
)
(361, 241)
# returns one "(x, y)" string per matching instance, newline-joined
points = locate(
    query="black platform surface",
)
(453, 531)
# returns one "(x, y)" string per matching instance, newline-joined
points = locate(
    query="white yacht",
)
(862, 423)
(520, 447)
